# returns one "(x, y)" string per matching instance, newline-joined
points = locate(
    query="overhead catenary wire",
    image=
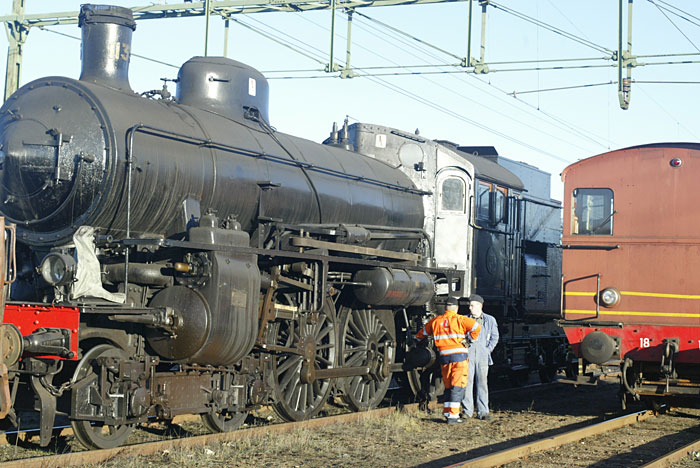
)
(452, 90)
(661, 10)
(70, 36)
(683, 14)
(465, 119)
(651, 98)
(562, 124)
(316, 54)
(591, 85)
(551, 119)
(567, 19)
(458, 116)
(563, 88)
(410, 36)
(551, 28)
(400, 90)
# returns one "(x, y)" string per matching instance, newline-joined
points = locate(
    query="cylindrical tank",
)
(385, 286)
(64, 164)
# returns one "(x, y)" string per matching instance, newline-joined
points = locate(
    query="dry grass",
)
(338, 445)
(395, 440)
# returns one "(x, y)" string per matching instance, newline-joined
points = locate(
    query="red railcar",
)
(631, 267)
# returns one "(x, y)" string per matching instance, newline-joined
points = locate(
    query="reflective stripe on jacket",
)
(449, 331)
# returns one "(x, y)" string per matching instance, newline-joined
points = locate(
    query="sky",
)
(548, 128)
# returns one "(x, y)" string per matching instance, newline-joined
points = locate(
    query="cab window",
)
(453, 195)
(482, 201)
(592, 212)
(500, 205)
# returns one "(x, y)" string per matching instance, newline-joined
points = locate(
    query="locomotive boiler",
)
(179, 255)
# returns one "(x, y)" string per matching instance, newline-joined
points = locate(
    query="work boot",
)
(486, 417)
(455, 421)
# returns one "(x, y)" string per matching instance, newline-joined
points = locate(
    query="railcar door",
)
(452, 239)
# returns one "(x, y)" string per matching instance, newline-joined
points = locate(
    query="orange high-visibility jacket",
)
(449, 330)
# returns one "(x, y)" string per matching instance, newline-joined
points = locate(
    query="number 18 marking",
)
(644, 343)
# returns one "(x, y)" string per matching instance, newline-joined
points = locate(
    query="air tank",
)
(391, 286)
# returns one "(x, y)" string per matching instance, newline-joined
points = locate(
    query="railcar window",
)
(453, 194)
(593, 210)
(482, 201)
(500, 204)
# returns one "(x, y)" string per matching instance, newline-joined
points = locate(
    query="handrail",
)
(587, 247)
(262, 155)
(597, 294)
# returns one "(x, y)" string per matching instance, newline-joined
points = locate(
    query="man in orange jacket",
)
(449, 332)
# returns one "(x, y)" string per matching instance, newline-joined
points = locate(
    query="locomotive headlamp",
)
(675, 162)
(57, 269)
(610, 297)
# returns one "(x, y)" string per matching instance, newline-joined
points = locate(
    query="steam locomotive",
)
(180, 256)
(630, 249)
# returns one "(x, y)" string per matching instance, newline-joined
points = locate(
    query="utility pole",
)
(331, 56)
(624, 57)
(207, 11)
(468, 61)
(481, 66)
(347, 72)
(16, 35)
(226, 28)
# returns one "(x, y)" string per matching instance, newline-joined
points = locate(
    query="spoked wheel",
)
(298, 395)
(96, 434)
(366, 342)
(223, 421)
(426, 385)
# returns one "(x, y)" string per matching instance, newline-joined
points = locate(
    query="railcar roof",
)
(678, 145)
(485, 168)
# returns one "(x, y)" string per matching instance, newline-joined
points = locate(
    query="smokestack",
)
(106, 45)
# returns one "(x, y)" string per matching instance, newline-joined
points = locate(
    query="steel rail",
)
(64, 431)
(149, 448)
(26, 435)
(515, 453)
(675, 456)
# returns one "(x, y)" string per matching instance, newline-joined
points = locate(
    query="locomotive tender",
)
(181, 256)
(631, 248)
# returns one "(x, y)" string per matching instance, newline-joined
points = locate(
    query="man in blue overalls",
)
(480, 360)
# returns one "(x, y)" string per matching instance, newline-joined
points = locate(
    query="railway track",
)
(522, 413)
(148, 448)
(523, 451)
(31, 434)
(628, 440)
(690, 450)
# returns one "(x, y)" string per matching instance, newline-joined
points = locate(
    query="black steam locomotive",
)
(180, 256)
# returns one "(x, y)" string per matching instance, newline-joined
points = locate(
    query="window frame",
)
(608, 212)
(483, 212)
(464, 186)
